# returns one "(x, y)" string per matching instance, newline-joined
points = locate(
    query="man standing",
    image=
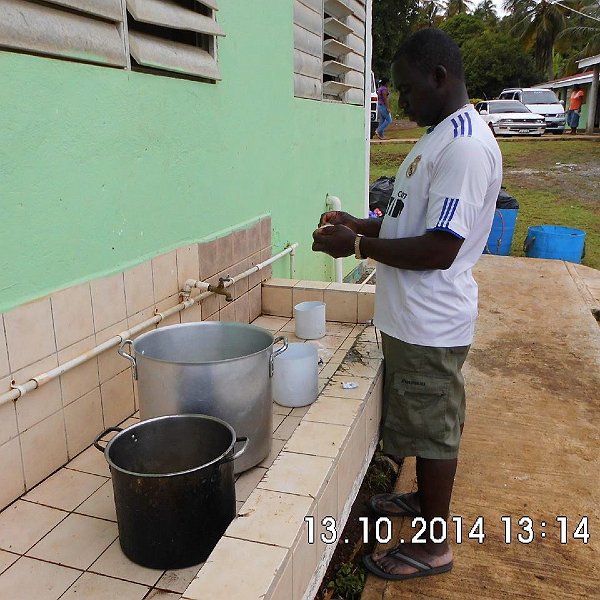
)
(434, 230)
(383, 107)
(575, 102)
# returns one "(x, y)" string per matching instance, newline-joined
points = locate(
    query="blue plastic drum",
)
(553, 241)
(501, 234)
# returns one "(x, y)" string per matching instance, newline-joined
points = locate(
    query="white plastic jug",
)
(310, 320)
(296, 376)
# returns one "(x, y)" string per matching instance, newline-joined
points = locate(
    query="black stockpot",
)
(174, 487)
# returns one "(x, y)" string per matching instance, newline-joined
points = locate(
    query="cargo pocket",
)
(418, 404)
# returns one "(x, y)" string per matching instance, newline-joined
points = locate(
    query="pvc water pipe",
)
(20, 390)
(334, 203)
(293, 261)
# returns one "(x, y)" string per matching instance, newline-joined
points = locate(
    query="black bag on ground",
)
(380, 192)
(505, 200)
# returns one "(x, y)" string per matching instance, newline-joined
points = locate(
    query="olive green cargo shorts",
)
(423, 399)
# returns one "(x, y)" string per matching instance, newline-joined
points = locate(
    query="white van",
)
(373, 107)
(542, 101)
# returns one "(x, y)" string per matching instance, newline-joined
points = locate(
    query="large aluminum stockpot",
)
(212, 368)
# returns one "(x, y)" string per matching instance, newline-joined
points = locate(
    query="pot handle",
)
(283, 340)
(239, 452)
(128, 356)
(102, 434)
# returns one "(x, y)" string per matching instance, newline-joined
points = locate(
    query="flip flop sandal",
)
(424, 569)
(405, 509)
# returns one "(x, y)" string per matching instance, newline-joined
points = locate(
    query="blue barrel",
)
(553, 241)
(501, 234)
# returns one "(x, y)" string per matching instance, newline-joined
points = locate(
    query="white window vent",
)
(174, 36)
(329, 50)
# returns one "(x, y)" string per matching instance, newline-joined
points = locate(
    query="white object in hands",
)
(310, 320)
(296, 376)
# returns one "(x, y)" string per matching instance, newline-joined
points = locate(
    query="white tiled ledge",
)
(326, 481)
(345, 302)
(265, 553)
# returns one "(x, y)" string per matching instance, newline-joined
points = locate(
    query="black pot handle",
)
(239, 452)
(101, 435)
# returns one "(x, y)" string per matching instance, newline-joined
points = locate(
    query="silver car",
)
(510, 117)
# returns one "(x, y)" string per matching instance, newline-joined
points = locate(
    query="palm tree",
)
(584, 29)
(538, 24)
(486, 9)
(456, 7)
(430, 12)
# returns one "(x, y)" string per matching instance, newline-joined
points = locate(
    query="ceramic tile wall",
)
(44, 429)
(324, 451)
(345, 302)
(64, 529)
(60, 541)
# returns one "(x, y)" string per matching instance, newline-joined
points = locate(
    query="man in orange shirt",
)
(575, 108)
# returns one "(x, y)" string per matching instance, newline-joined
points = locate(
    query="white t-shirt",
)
(449, 182)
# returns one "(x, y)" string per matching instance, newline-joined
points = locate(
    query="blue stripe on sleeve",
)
(445, 210)
(462, 125)
(447, 231)
(470, 124)
(453, 210)
(455, 127)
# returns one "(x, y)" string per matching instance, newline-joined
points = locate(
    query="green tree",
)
(463, 27)
(494, 61)
(430, 13)
(486, 11)
(538, 24)
(457, 7)
(583, 31)
(392, 21)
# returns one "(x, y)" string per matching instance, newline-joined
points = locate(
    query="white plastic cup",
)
(296, 376)
(310, 320)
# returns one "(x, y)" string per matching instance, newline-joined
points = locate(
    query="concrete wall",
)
(101, 169)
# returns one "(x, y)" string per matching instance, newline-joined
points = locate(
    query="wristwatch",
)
(357, 253)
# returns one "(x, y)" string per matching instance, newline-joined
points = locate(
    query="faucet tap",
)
(222, 288)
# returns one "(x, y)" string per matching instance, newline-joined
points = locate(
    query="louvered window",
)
(81, 30)
(329, 50)
(175, 36)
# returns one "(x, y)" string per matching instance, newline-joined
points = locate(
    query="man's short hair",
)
(430, 47)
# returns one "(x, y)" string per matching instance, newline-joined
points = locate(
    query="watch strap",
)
(357, 253)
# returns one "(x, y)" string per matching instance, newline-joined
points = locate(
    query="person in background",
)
(383, 107)
(574, 111)
(433, 232)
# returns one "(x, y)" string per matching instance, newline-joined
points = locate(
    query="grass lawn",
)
(555, 182)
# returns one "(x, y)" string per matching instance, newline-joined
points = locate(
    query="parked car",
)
(373, 108)
(542, 101)
(510, 117)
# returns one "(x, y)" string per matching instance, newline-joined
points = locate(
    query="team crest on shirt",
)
(413, 166)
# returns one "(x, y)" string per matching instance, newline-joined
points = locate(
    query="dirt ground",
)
(570, 172)
(530, 446)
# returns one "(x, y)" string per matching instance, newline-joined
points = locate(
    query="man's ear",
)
(440, 75)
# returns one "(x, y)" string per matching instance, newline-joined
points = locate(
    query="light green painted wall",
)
(101, 169)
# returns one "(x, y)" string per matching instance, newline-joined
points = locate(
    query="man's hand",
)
(337, 217)
(335, 240)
